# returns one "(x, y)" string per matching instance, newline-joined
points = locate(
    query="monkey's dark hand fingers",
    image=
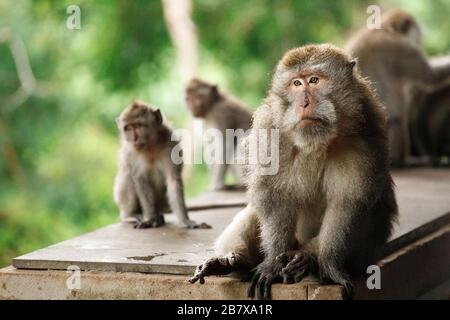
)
(213, 266)
(285, 257)
(261, 283)
(330, 274)
(302, 264)
(204, 225)
(152, 223)
(194, 225)
(198, 275)
(260, 286)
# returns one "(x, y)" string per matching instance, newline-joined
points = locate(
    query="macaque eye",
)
(126, 128)
(297, 83)
(313, 80)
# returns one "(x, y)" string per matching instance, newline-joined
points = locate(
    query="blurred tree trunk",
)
(177, 14)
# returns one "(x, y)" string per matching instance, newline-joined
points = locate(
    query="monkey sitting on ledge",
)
(219, 111)
(331, 205)
(147, 177)
(393, 58)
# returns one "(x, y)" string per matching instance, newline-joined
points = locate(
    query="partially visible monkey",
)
(219, 111)
(331, 205)
(429, 126)
(147, 177)
(394, 60)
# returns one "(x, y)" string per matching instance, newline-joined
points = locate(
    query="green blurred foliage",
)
(58, 147)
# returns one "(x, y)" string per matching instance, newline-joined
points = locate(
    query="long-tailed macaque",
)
(219, 111)
(331, 205)
(148, 181)
(394, 60)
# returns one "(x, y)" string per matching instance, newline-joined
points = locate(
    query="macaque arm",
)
(218, 171)
(415, 66)
(241, 237)
(345, 223)
(125, 195)
(175, 194)
(237, 248)
(146, 197)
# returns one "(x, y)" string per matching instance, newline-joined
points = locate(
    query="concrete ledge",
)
(407, 273)
(413, 270)
(49, 284)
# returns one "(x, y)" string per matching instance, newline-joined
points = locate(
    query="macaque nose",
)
(305, 102)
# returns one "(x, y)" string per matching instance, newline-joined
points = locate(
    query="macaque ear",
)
(117, 121)
(158, 116)
(353, 63)
(405, 26)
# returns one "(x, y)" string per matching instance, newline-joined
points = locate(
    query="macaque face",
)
(309, 112)
(196, 104)
(137, 133)
(139, 126)
(305, 90)
(199, 98)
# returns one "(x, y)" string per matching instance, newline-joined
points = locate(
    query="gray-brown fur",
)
(394, 60)
(148, 182)
(331, 206)
(220, 111)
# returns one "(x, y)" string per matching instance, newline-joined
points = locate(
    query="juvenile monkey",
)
(331, 205)
(394, 60)
(148, 181)
(219, 111)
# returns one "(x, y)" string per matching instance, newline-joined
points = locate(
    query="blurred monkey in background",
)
(394, 60)
(219, 111)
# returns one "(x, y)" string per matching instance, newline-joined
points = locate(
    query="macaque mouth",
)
(309, 120)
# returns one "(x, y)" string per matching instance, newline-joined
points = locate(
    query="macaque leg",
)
(218, 172)
(237, 248)
(150, 217)
(126, 198)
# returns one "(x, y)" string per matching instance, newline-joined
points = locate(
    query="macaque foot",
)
(216, 267)
(266, 273)
(194, 225)
(154, 222)
(298, 265)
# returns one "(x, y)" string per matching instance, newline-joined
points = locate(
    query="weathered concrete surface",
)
(232, 197)
(423, 196)
(119, 247)
(405, 274)
(39, 284)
